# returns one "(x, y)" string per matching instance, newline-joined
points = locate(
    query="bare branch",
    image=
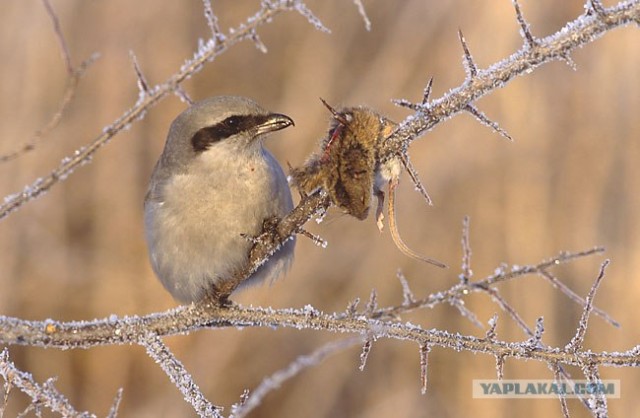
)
(258, 42)
(597, 401)
(185, 319)
(73, 78)
(113, 412)
(64, 49)
(352, 308)
(525, 31)
(570, 63)
(491, 334)
(417, 107)
(578, 338)
(184, 96)
(467, 273)
(575, 34)
(576, 298)
(44, 394)
(6, 388)
(212, 21)
(407, 294)
(469, 65)
(178, 375)
(597, 7)
(500, 366)
(484, 119)
(143, 86)
(316, 239)
(372, 305)
(364, 354)
(465, 312)
(363, 14)
(426, 93)
(536, 340)
(505, 306)
(561, 396)
(413, 174)
(276, 380)
(302, 8)
(424, 364)
(208, 52)
(501, 275)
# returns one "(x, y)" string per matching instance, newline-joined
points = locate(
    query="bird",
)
(211, 191)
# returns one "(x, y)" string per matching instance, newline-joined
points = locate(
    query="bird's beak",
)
(274, 122)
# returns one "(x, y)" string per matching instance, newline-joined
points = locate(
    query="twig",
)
(501, 275)
(577, 33)
(561, 396)
(525, 31)
(276, 380)
(208, 52)
(363, 14)
(73, 79)
(578, 338)
(581, 31)
(113, 412)
(576, 298)
(407, 294)
(44, 394)
(179, 376)
(467, 273)
(424, 364)
(64, 49)
(185, 319)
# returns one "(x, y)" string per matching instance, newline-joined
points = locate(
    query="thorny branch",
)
(479, 82)
(41, 394)
(373, 322)
(575, 34)
(179, 376)
(254, 399)
(73, 79)
(147, 99)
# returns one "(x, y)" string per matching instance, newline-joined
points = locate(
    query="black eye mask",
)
(232, 125)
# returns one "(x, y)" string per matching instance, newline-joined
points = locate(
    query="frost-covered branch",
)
(41, 394)
(207, 52)
(253, 399)
(74, 74)
(370, 324)
(179, 376)
(185, 319)
(428, 114)
(373, 322)
(480, 82)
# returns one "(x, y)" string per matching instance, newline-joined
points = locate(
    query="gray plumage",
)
(214, 183)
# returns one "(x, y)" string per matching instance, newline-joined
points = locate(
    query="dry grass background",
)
(569, 182)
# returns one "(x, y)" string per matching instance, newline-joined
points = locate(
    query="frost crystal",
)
(302, 8)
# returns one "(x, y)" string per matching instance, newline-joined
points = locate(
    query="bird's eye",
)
(232, 121)
(348, 116)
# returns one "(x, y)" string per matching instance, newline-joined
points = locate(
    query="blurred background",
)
(570, 181)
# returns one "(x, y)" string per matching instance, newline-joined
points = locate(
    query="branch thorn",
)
(525, 32)
(484, 119)
(469, 65)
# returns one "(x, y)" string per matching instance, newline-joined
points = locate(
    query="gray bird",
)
(212, 188)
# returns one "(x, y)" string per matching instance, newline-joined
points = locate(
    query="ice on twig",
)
(363, 13)
(484, 119)
(469, 64)
(424, 363)
(525, 31)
